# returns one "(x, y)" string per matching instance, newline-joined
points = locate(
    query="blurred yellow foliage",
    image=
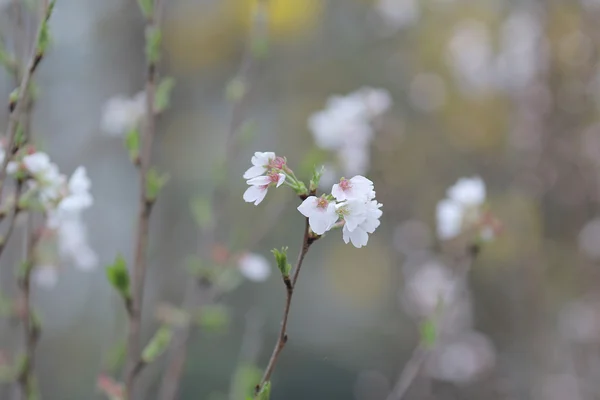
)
(197, 35)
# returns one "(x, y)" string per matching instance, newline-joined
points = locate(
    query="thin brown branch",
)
(282, 339)
(31, 328)
(12, 218)
(134, 364)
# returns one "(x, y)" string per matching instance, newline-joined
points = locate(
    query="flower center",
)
(345, 184)
(322, 203)
(277, 163)
(273, 178)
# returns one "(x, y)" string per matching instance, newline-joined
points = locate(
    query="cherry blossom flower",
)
(262, 162)
(122, 114)
(260, 185)
(345, 126)
(321, 213)
(357, 187)
(361, 218)
(462, 208)
(254, 267)
(45, 276)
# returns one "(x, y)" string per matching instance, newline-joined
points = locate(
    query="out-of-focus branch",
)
(19, 104)
(134, 365)
(31, 326)
(421, 352)
(246, 76)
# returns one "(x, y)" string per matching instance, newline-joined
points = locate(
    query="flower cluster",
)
(352, 203)
(267, 170)
(122, 114)
(62, 200)
(463, 209)
(345, 126)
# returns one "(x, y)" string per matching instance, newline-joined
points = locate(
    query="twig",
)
(134, 367)
(31, 327)
(178, 348)
(421, 352)
(12, 218)
(307, 240)
(20, 103)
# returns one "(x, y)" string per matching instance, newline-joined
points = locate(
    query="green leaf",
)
(244, 380)
(118, 276)
(429, 333)
(115, 357)
(154, 183)
(153, 44)
(132, 144)
(265, 392)
(316, 178)
(158, 344)
(202, 211)
(146, 7)
(162, 97)
(281, 260)
(214, 317)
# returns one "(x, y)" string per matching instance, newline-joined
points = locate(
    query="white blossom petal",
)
(255, 194)
(254, 267)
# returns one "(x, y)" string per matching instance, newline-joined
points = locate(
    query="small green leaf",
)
(146, 7)
(162, 97)
(236, 89)
(214, 317)
(202, 211)
(118, 276)
(265, 392)
(316, 178)
(244, 380)
(132, 144)
(153, 44)
(281, 260)
(158, 344)
(154, 183)
(115, 357)
(429, 333)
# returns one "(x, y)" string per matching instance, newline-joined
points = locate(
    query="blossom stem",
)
(421, 352)
(282, 339)
(12, 218)
(20, 104)
(133, 365)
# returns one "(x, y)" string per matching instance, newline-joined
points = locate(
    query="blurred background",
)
(506, 90)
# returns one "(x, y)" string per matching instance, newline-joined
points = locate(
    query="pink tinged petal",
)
(255, 194)
(259, 181)
(361, 180)
(308, 206)
(281, 180)
(322, 220)
(254, 171)
(338, 192)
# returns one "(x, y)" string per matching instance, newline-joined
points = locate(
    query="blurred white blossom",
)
(589, 239)
(121, 114)
(579, 321)
(428, 287)
(462, 360)
(254, 267)
(461, 208)
(397, 14)
(345, 127)
(45, 276)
